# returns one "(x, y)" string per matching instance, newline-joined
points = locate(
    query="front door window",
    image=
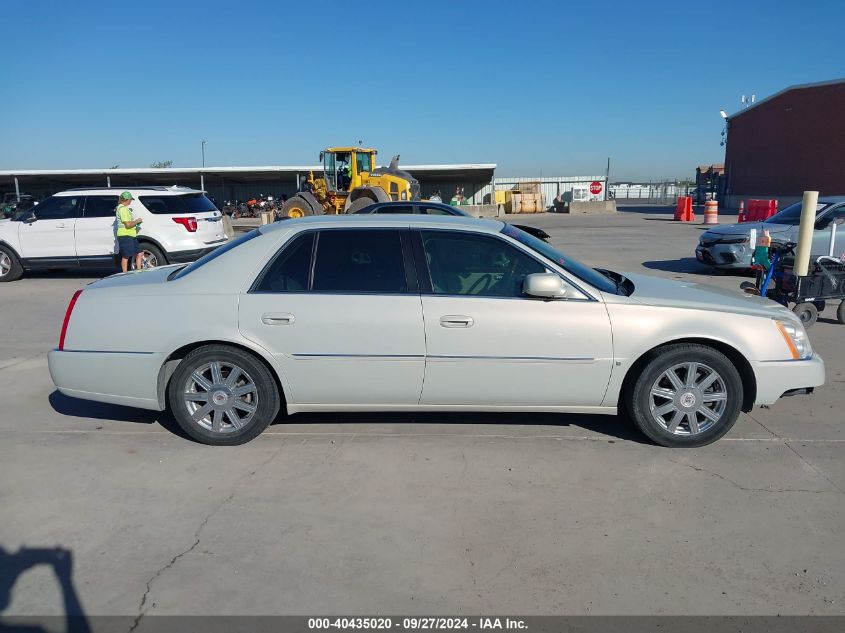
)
(478, 265)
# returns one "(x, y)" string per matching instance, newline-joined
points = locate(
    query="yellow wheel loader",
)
(350, 181)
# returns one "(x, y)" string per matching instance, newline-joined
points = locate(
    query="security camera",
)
(724, 114)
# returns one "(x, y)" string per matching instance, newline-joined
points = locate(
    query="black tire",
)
(638, 398)
(266, 395)
(360, 203)
(807, 312)
(151, 253)
(298, 207)
(10, 266)
(840, 312)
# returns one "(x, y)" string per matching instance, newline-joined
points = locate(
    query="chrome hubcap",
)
(688, 399)
(148, 260)
(220, 397)
(5, 264)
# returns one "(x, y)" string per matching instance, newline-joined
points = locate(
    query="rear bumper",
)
(125, 378)
(776, 378)
(182, 257)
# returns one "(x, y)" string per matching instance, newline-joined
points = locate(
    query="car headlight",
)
(795, 337)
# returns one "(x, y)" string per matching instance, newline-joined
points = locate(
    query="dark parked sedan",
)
(426, 207)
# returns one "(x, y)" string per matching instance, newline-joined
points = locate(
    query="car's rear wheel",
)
(222, 395)
(687, 395)
(840, 312)
(10, 265)
(151, 256)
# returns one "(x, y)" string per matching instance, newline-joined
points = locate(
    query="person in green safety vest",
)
(127, 232)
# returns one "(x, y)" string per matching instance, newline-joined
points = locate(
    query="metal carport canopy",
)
(474, 172)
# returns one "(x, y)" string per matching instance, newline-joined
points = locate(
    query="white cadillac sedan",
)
(423, 313)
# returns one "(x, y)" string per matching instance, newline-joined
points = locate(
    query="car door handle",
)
(456, 320)
(277, 318)
(61, 226)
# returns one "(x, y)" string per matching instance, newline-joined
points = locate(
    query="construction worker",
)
(127, 232)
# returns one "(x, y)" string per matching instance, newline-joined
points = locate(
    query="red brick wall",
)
(789, 144)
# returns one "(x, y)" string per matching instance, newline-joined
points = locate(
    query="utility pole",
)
(607, 180)
(202, 175)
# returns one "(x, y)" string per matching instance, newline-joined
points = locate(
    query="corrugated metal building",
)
(788, 143)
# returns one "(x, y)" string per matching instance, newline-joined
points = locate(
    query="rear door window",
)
(100, 206)
(291, 269)
(184, 204)
(356, 261)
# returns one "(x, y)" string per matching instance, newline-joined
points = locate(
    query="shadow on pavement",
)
(682, 265)
(619, 427)
(613, 426)
(65, 405)
(15, 564)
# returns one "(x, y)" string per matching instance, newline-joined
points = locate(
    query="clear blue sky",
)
(551, 87)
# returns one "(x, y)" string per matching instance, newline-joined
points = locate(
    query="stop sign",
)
(595, 187)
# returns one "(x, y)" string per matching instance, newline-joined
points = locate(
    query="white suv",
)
(76, 228)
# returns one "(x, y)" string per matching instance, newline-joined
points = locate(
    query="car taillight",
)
(189, 223)
(67, 318)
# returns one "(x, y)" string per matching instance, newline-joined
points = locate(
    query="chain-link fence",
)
(665, 192)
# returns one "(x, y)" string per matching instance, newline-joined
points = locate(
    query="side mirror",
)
(321, 157)
(30, 218)
(549, 286)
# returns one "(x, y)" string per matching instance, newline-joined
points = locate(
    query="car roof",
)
(388, 221)
(831, 199)
(157, 189)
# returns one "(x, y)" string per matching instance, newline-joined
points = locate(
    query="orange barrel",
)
(711, 212)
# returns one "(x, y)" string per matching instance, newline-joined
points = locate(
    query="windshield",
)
(792, 214)
(585, 273)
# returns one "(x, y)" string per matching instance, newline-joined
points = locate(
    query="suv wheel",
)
(686, 396)
(10, 265)
(151, 256)
(222, 395)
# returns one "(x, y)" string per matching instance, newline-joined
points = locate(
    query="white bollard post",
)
(805, 233)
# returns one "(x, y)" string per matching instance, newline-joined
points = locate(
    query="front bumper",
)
(776, 378)
(725, 255)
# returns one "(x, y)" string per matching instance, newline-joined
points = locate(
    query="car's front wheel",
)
(222, 395)
(686, 395)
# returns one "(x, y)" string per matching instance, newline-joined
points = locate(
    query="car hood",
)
(742, 229)
(692, 295)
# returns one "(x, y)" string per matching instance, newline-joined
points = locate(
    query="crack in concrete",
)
(746, 488)
(197, 538)
(20, 361)
(815, 469)
(767, 429)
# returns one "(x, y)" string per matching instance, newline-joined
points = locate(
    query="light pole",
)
(202, 175)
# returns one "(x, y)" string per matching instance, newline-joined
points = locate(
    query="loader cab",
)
(343, 166)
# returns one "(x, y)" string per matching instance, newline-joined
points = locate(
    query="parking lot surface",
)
(440, 513)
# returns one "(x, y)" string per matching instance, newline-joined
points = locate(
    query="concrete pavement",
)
(441, 513)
